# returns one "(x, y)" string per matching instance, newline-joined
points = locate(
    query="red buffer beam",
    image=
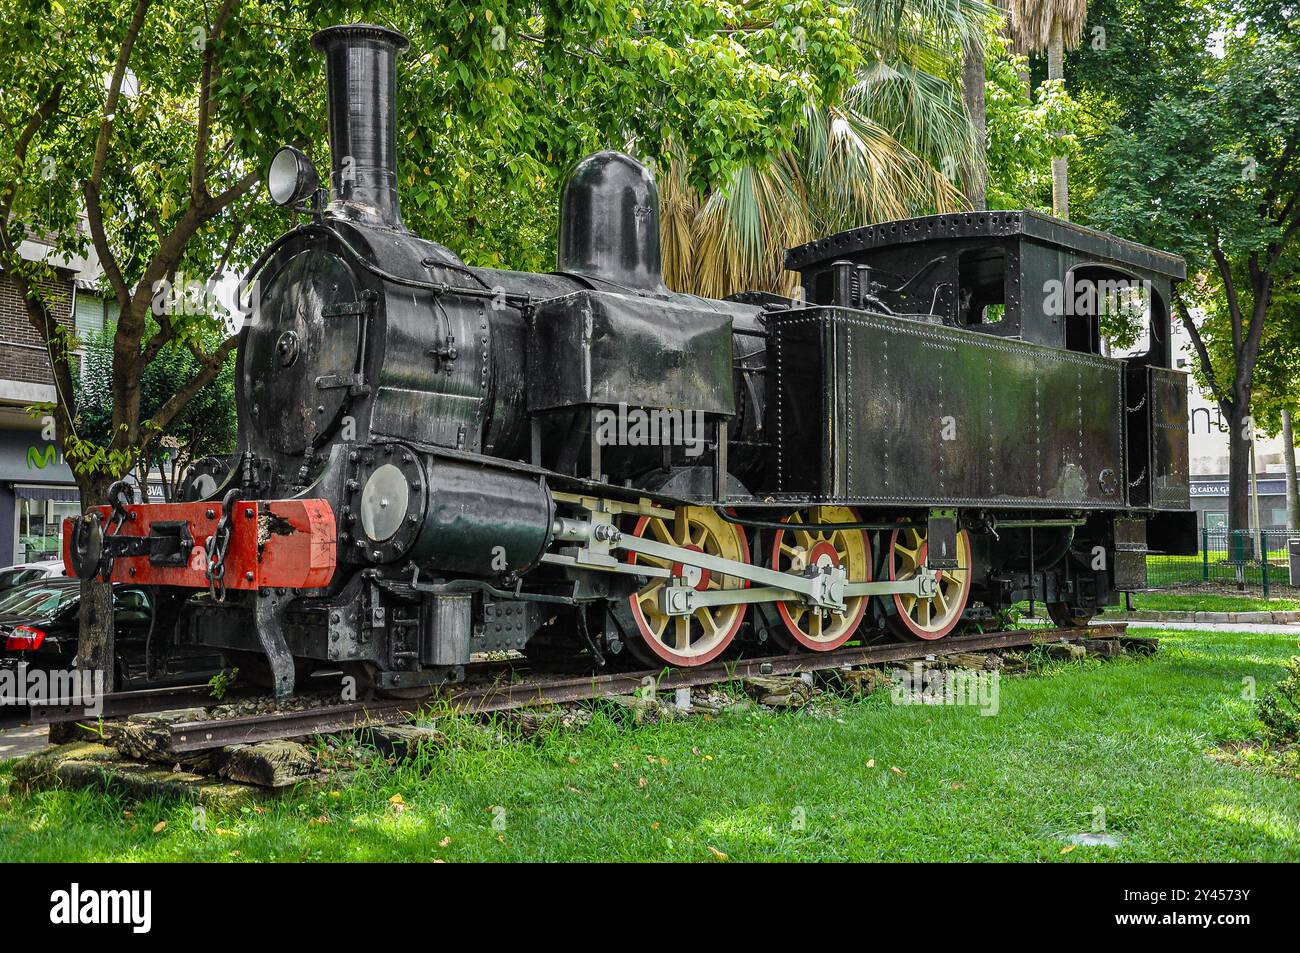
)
(273, 543)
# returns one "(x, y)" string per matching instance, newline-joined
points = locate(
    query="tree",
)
(115, 140)
(975, 76)
(890, 147)
(205, 426)
(1292, 482)
(1275, 402)
(1025, 128)
(973, 67)
(1213, 173)
(1138, 51)
(1050, 26)
(141, 127)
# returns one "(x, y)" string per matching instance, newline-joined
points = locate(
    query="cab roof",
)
(1026, 224)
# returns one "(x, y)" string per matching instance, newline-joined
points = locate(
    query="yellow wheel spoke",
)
(909, 553)
(682, 629)
(650, 591)
(936, 614)
(812, 530)
(708, 629)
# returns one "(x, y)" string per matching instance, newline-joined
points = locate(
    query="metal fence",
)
(1241, 560)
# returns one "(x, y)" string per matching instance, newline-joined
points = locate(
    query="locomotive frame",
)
(424, 473)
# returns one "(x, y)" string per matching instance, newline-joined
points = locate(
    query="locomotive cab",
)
(1014, 274)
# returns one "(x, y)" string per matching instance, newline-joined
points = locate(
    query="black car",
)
(39, 625)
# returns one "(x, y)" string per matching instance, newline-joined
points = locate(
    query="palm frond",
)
(934, 24)
(1030, 23)
(888, 149)
(744, 228)
(925, 112)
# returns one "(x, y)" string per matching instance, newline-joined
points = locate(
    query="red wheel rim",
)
(953, 588)
(718, 534)
(802, 624)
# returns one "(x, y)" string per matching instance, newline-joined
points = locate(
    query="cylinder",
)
(361, 81)
(483, 521)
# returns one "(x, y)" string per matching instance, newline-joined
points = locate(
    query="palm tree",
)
(1052, 26)
(891, 148)
(972, 91)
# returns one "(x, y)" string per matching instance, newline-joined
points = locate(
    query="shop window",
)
(40, 529)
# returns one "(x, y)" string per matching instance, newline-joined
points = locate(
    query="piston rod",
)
(827, 588)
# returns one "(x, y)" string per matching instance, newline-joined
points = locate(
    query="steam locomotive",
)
(438, 461)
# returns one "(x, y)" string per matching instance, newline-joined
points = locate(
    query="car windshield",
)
(37, 601)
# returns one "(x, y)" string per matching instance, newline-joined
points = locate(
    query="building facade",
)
(1208, 444)
(36, 487)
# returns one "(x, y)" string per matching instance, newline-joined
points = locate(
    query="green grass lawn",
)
(1175, 570)
(1127, 738)
(1186, 602)
(1206, 602)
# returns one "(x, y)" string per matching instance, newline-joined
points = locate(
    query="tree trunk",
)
(95, 649)
(1239, 441)
(1060, 168)
(1292, 487)
(972, 90)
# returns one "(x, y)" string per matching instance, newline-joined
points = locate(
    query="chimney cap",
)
(320, 38)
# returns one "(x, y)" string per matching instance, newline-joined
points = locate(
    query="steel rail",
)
(134, 702)
(201, 735)
(122, 704)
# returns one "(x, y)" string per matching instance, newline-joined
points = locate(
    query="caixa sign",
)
(1220, 488)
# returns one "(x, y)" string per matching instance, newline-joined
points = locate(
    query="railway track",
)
(116, 705)
(502, 695)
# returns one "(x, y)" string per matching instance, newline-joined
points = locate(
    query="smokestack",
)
(361, 75)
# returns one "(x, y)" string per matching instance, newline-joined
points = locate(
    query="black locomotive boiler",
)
(438, 461)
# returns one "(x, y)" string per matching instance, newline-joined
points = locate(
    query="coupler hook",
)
(217, 546)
